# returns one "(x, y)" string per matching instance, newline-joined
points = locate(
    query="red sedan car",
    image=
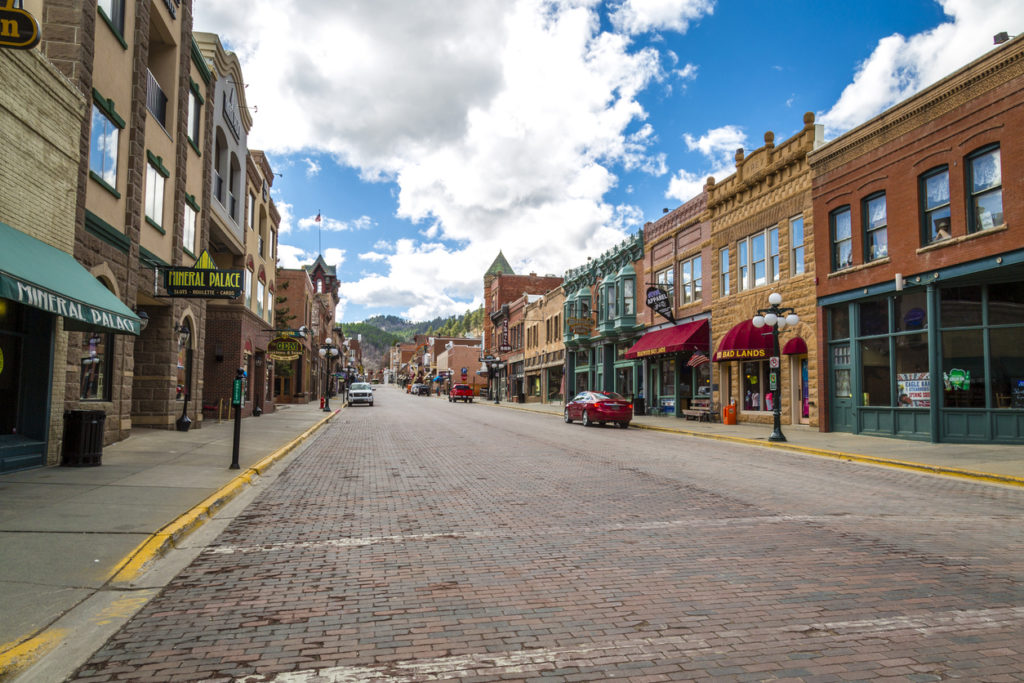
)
(599, 407)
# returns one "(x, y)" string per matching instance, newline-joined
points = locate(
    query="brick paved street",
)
(422, 540)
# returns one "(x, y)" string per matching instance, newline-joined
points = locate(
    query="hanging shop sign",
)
(284, 348)
(19, 30)
(205, 281)
(658, 300)
(580, 325)
(505, 346)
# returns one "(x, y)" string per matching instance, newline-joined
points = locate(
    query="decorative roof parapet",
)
(610, 262)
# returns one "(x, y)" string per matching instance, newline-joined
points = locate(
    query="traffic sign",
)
(773, 361)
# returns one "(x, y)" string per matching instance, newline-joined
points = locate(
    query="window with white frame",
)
(188, 235)
(248, 287)
(260, 295)
(759, 259)
(628, 295)
(155, 183)
(796, 245)
(691, 281)
(723, 272)
(665, 279)
(194, 117)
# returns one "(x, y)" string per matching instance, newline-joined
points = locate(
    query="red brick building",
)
(920, 265)
(501, 287)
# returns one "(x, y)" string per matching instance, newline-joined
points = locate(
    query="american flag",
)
(317, 219)
(696, 359)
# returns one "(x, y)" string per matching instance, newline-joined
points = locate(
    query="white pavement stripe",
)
(555, 531)
(630, 650)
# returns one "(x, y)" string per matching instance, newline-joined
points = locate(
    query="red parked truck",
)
(460, 392)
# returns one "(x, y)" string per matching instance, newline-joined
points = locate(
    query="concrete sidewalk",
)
(68, 532)
(989, 462)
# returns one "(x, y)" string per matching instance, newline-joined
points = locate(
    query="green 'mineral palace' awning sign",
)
(35, 274)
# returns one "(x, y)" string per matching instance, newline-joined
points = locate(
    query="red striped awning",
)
(745, 342)
(795, 347)
(692, 336)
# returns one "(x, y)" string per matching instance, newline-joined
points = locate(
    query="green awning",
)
(35, 274)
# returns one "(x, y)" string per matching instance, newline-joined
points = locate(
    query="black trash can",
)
(83, 438)
(639, 406)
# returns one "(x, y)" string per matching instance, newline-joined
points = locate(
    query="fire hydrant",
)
(321, 403)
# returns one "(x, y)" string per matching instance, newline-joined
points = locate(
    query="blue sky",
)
(429, 134)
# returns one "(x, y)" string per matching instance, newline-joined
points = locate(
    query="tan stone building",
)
(41, 120)
(544, 353)
(762, 233)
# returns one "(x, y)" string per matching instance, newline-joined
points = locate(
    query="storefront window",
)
(963, 369)
(95, 366)
(1007, 367)
(911, 312)
(1006, 304)
(668, 377)
(913, 383)
(624, 381)
(960, 306)
(702, 380)
(755, 381)
(875, 376)
(874, 317)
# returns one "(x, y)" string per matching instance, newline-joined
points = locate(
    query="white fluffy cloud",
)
(499, 121)
(719, 147)
(900, 66)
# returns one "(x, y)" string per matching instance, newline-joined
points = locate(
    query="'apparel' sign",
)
(659, 301)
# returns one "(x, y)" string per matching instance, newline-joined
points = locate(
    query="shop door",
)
(841, 390)
(801, 391)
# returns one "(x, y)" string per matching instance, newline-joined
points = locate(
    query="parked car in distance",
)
(360, 392)
(420, 389)
(599, 407)
(460, 392)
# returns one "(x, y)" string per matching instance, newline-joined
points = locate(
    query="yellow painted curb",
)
(17, 656)
(174, 532)
(973, 475)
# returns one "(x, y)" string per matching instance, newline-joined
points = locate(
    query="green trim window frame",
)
(628, 296)
(195, 117)
(156, 182)
(112, 13)
(723, 272)
(842, 238)
(984, 190)
(188, 234)
(933, 189)
(691, 280)
(874, 218)
(796, 246)
(104, 142)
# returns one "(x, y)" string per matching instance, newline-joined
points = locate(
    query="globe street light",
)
(777, 318)
(328, 351)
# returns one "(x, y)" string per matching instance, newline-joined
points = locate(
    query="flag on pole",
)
(696, 359)
(317, 219)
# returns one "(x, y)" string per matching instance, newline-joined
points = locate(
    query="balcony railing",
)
(156, 100)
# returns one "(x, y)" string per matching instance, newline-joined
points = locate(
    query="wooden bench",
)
(701, 409)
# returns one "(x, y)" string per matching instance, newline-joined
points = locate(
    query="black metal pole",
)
(776, 434)
(238, 419)
(184, 422)
(327, 383)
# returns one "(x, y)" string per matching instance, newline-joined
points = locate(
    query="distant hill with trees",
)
(381, 332)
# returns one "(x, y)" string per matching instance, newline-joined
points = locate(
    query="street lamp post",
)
(328, 351)
(777, 318)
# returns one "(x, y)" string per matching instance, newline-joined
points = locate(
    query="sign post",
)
(236, 401)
